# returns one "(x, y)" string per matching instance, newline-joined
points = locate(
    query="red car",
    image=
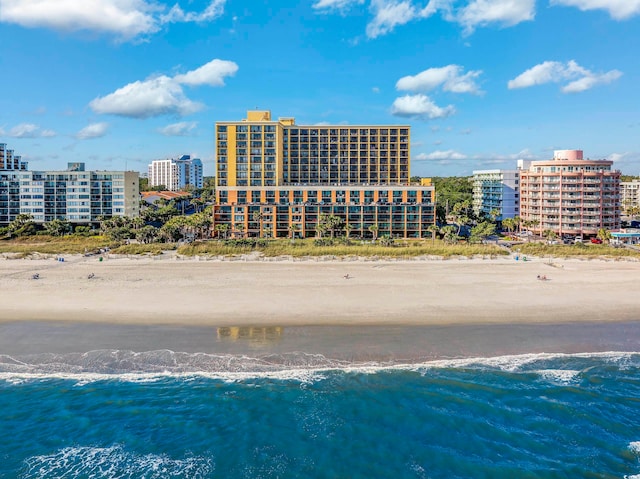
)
(596, 240)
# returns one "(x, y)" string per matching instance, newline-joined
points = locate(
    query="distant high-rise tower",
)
(9, 161)
(175, 175)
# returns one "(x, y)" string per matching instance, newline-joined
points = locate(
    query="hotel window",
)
(242, 128)
(255, 197)
(270, 196)
(284, 197)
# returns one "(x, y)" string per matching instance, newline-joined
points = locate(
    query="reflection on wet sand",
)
(254, 335)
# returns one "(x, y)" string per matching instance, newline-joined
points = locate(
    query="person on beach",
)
(346, 276)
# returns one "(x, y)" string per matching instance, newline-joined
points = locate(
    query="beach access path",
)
(195, 291)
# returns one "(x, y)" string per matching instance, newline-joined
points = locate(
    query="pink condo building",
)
(570, 195)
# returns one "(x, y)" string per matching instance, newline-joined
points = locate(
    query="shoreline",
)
(25, 345)
(170, 291)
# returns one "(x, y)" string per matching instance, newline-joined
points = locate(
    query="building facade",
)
(175, 175)
(629, 195)
(78, 196)
(9, 161)
(569, 195)
(496, 191)
(275, 178)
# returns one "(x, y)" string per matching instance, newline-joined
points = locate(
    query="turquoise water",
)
(160, 414)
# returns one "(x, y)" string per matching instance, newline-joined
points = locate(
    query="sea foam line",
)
(299, 367)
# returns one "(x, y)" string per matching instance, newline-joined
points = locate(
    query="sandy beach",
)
(201, 292)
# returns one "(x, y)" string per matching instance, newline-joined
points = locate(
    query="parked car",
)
(596, 240)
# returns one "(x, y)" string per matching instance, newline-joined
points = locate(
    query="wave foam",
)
(153, 366)
(114, 463)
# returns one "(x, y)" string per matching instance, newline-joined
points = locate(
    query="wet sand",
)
(348, 343)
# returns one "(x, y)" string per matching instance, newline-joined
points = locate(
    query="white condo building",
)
(174, 174)
(496, 190)
(74, 195)
(629, 194)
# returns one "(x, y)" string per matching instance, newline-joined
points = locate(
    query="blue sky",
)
(482, 83)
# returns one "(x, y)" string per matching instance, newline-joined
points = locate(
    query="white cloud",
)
(388, 15)
(162, 95)
(420, 106)
(183, 128)
(212, 73)
(47, 133)
(144, 99)
(504, 12)
(556, 72)
(336, 4)
(627, 157)
(450, 77)
(28, 130)
(95, 130)
(618, 9)
(176, 14)
(126, 19)
(591, 80)
(441, 155)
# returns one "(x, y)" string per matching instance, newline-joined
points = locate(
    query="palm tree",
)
(57, 227)
(461, 214)
(333, 223)
(450, 235)
(433, 229)
(292, 231)
(374, 231)
(604, 234)
(239, 227)
(509, 224)
(222, 229)
(347, 231)
(633, 211)
(257, 218)
(549, 235)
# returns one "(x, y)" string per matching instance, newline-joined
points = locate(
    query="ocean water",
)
(110, 413)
